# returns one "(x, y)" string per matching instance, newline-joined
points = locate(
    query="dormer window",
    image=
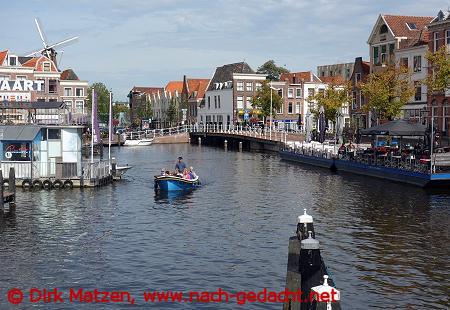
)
(46, 66)
(383, 29)
(411, 26)
(13, 60)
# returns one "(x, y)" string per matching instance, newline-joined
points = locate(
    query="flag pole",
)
(110, 127)
(92, 124)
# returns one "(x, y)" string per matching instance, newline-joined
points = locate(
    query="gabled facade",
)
(359, 118)
(439, 103)
(388, 33)
(228, 95)
(141, 105)
(193, 96)
(37, 79)
(343, 70)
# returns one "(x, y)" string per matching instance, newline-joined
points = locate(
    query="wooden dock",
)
(8, 194)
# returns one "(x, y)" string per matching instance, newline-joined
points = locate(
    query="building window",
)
(447, 37)
(297, 108)
(249, 86)
(436, 41)
(21, 77)
(215, 102)
(361, 99)
(280, 92)
(404, 62)
(322, 92)
(354, 100)
(79, 92)
(383, 54)
(280, 109)
(290, 93)
(67, 91)
(240, 86)
(240, 102)
(358, 77)
(383, 29)
(248, 103)
(258, 86)
(54, 134)
(209, 102)
(290, 108)
(376, 59)
(79, 105)
(417, 63)
(418, 94)
(310, 93)
(298, 92)
(52, 87)
(4, 77)
(218, 100)
(46, 66)
(13, 60)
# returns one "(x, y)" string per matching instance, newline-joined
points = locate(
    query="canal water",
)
(386, 245)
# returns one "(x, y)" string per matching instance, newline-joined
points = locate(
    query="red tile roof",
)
(305, 76)
(398, 24)
(69, 75)
(366, 67)
(147, 90)
(31, 63)
(173, 86)
(332, 79)
(199, 86)
(3, 56)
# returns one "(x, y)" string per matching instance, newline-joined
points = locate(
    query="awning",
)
(31, 105)
(399, 127)
(18, 133)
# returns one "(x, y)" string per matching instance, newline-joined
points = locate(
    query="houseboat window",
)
(16, 151)
(44, 134)
(54, 134)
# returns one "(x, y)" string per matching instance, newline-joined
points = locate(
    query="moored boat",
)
(175, 183)
(138, 142)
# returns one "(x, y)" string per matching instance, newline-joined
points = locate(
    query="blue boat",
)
(174, 183)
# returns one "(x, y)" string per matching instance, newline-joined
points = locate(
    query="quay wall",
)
(176, 138)
(235, 142)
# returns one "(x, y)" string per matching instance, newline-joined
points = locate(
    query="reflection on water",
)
(385, 244)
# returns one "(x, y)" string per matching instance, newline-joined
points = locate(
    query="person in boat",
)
(163, 172)
(186, 174)
(180, 165)
(192, 173)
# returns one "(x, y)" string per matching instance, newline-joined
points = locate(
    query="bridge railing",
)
(256, 132)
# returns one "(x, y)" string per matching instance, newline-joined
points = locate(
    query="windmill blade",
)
(35, 52)
(63, 43)
(41, 33)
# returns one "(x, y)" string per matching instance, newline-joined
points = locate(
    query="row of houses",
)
(225, 98)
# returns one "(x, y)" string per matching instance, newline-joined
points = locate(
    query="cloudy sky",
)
(126, 43)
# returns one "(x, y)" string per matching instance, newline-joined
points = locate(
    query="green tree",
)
(388, 91)
(145, 109)
(118, 108)
(172, 111)
(272, 70)
(102, 100)
(333, 99)
(261, 100)
(439, 63)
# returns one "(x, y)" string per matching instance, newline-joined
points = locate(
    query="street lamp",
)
(271, 103)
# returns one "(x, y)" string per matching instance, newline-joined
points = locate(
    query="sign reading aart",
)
(22, 85)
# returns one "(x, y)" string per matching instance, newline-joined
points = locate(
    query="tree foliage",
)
(118, 108)
(272, 70)
(333, 99)
(261, 100)
(439, 79)
(172, 111)
(102, 100)
(388, 91)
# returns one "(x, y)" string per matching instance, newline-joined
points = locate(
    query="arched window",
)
(383, 29)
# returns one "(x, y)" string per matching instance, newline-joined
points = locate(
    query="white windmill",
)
(49, 49)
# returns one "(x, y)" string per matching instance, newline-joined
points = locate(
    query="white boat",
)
(137, 139)
(140, 142)
(120, 171)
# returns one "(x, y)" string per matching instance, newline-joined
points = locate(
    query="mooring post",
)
(225, 145)
(199, 141)
(12, 190)
(240, 146)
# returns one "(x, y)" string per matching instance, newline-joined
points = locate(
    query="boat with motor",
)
(175, 183)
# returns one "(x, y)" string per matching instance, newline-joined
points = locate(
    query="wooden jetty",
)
(8, 194)
(307, 273)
